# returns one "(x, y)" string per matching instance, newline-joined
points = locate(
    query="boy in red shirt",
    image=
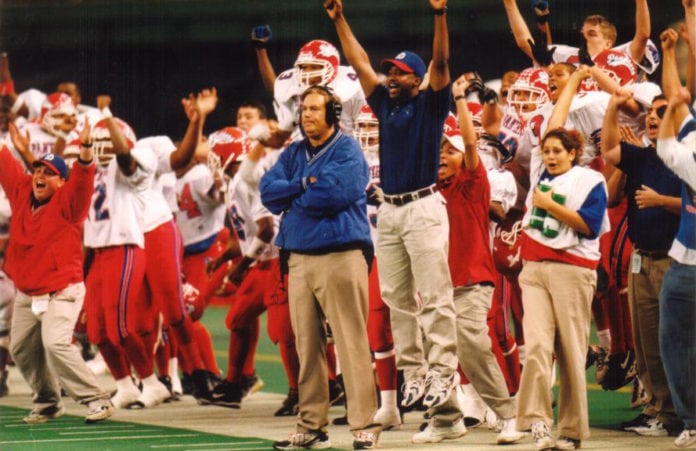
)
(463, 182)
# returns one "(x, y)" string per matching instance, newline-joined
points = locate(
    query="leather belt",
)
(657, 255)
(403, 199)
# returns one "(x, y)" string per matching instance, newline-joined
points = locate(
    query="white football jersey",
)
(199, 216)
(372, 158)
(164, 179)
(116, 214)
(650, 61)
(245, 209)
(346, 86)
(41, 142)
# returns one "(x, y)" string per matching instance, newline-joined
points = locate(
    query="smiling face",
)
(556, 158)
(45, 182)
(402, 85)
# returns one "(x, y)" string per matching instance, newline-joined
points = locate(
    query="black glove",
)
(260, 35)
(584, 55)
(494, 142)
(540, 49)
(475, 84)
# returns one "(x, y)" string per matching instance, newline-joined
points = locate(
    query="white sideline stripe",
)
(140, 431)
(254, 442)
(92, 427)
(125, 437)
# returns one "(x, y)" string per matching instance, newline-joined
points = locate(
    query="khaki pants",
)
(474, 346)
(644, 301)
(557, 299)
(332, 287)
(41, 346)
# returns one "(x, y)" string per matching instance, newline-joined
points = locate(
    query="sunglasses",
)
(659, 111)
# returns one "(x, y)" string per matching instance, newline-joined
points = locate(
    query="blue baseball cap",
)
(55, 163)
(407, 61)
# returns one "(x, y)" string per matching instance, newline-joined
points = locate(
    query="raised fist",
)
(260, 35)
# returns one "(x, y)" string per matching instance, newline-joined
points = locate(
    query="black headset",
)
(333, 105)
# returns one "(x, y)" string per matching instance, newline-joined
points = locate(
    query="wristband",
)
(441, 11)
(86, 145)
(7, 88)
(459, 97)
(106, 112)
(256, 248)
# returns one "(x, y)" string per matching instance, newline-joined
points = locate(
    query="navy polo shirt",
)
(650, 229)
(410, 132)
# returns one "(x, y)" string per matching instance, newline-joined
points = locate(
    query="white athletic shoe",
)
(99, 410)
(125, 396)
(389, 417)
(152, 395)
(687, 439)
(436, 434)
(508, 432)
(542, 436)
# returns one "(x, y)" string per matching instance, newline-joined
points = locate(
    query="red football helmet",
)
(317, 53)
(72, 152)
(530, 92)
(54, 110)
(101, 139)
(367, 129)
(476, 109)
(227, 145)
(617, 65)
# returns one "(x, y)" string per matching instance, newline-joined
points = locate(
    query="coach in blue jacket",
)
(318, 184)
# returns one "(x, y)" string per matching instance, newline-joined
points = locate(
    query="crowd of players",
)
(174, 227)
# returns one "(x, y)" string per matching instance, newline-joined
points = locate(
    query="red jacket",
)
(44, 253)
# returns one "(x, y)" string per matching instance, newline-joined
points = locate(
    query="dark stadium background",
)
(148, 54)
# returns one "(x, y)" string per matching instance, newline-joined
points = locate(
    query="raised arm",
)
(466, 124)
(519, 27)
(355, 54)
(611, 134)
(671, 85)
(560, 110)
(260, 35)
(640, 39)
(197, 109)
(439, 68)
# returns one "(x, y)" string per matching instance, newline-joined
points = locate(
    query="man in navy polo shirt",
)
(654, 204)
(412, 222)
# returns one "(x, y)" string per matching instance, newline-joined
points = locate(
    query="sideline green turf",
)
(70, 432)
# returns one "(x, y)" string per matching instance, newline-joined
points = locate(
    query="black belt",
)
(403, 199)
(657, 255)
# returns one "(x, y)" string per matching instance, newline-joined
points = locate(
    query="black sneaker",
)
(227, 394)
(306, 440)
(250, 385)
(336, 393)
(204, 384)
(290, 406)
(187, 384)
(639, 421)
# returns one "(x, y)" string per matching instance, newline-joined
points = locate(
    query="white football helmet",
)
(53, 112)
(317, 53)
(366, 130)
(530, 92)
(101, 140)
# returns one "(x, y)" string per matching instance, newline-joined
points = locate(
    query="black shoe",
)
(227, 394)
(290, 406)
(186, 384)
(340, 421)
(204, 384)
(250, 385)
(639, 421)
(167, 382)
(336, 393)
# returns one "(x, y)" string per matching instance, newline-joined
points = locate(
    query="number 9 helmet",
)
(367, 129)
(228, 145)
(317, 64)
(530, 92)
